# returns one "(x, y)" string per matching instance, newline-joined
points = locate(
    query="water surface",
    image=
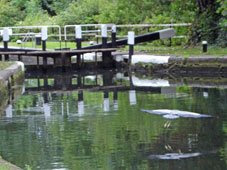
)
(98, 124)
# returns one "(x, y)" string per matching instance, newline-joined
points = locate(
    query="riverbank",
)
(179, 51)
(11, 78)
(201, 65)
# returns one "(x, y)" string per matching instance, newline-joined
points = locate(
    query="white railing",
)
(86, 30)
(155, 25)
(16, 30)
(96, 28)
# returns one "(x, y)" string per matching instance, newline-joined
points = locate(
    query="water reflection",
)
(93, 121)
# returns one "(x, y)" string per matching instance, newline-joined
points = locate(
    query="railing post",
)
(204, 43)
(106, 56)
(78, 35)
(6, 38)
(104, 35)
(131, 43)
(44, 36)
(113, 36)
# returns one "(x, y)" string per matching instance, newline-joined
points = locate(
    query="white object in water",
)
(9, 111)
(132, 97)
(115, 105)
(46, 109)
(106, 105)
(80, 108)
(173, 114)
(174, 156)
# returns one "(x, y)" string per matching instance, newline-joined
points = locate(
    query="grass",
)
(50, 45)
(180, 50)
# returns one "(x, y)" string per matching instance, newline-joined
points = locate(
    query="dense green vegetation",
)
(208, 16)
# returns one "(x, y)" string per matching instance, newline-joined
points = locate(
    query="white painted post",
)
(114, 28)
(113, 35)
(104, 31)
(131, 38)
(44, 33)
(6, 37)
(105, 55)
(131, 43)
(78, 35)
(78, 32)
(204, 43)
(44, 36)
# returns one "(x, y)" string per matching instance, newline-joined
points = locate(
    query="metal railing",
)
(96, 28)
(30, 32)
(91, 30)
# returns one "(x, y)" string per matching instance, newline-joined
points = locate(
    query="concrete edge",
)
(11, 70)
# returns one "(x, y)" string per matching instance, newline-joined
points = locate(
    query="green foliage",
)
(210, 22)
(9, 14)
(79, 12)
(208, 18)
(222, 10)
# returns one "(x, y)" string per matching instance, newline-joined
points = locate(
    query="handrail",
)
(35, 27)
(155, 25)
(87, 31)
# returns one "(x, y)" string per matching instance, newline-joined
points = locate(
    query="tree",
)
(9, 15)
(206, 24)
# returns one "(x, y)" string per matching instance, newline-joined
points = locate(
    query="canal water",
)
(83, 121)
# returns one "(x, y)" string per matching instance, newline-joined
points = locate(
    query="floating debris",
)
(175, 156)
(174, 114)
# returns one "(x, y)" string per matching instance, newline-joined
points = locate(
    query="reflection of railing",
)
(89, 81)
